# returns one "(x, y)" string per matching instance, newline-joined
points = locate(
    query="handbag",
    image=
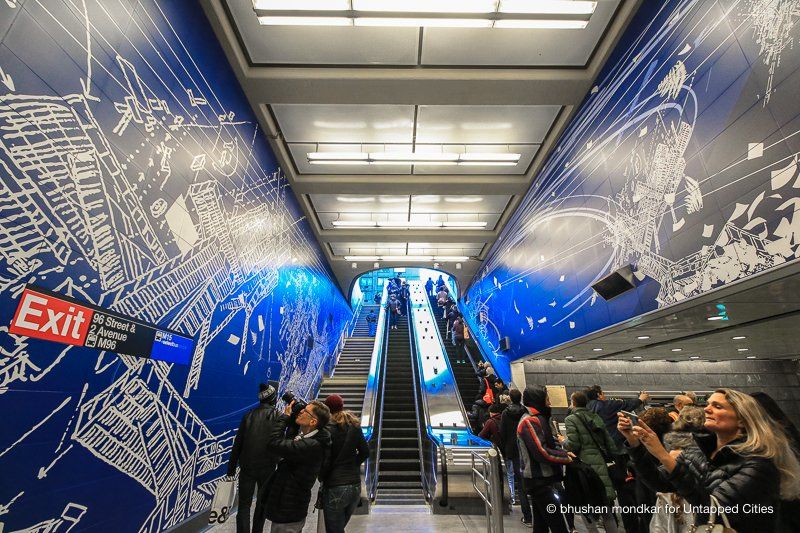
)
(712, 526)
(488, 396)
(616, 472)
(223, 501)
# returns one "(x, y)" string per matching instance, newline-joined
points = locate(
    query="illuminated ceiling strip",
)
(442, 258)
(543, 14)
(411, 158)
(366, 224)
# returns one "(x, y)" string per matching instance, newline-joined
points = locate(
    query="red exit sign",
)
(44, 316)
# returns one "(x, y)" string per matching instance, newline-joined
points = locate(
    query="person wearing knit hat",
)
(251, 454)
(341, 479)
(335, 403)
(542, 460)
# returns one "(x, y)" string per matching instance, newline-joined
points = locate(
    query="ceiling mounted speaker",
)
(616, 283)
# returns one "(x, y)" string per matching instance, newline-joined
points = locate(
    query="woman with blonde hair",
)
(744, 464)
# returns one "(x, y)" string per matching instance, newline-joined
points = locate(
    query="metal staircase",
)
(362, 327)
(349, 378)
(399, 477)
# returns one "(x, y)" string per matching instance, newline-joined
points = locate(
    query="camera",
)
(299, 403)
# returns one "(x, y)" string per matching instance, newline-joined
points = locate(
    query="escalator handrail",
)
(447, 362)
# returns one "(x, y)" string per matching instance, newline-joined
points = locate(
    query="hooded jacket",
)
(491, 429)
(509, 421)
(301, 462)
(732, 478)
(541, 457)
(250, 449)
(587, 446)
(608, 409)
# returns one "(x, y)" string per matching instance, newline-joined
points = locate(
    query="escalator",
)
(468, 383)
(399, 477)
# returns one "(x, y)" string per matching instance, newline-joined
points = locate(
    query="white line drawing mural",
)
(636, 130)
(138, 189)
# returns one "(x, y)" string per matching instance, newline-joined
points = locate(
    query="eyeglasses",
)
(308, 413)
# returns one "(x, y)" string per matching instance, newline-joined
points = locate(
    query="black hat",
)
(267, 394)
(534, 396)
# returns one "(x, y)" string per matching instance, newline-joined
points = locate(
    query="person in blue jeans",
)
(341, 479)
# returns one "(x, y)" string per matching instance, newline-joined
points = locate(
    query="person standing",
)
(588, 439)
(255, 462)
(393, 307)
(679, 402)
(341, 478)
(458, 337)
(542, 461)
(429, 288)
(372, 322)
(509, 421)
(303, 450)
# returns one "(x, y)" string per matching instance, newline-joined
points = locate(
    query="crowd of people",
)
(623, 465)
(281, 455)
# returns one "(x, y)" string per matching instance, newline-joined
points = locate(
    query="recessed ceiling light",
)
(716, 317)
(743, 349)
(677, 349)
(597, 349)
(694, 357)
(739, 337)
(643, 337)
(637, 356)
(751, 356)
(568, 357)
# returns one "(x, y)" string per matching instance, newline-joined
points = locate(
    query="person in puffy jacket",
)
(303, 450)
(588, 439)
(745, 463)
(255, 461)
(341, 476)
(542, 461)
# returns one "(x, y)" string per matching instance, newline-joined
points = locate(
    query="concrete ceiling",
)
(433, 90)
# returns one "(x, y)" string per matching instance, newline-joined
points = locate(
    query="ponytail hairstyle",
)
(344, 418)
(764, 438)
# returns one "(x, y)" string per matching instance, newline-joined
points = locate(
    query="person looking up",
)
(256, 463)
(745, 459)
(608, 408)
(303, 449)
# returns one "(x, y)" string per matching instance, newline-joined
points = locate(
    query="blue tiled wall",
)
(134, 176)
(682, 160)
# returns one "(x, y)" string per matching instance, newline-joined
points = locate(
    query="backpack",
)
(583, 486)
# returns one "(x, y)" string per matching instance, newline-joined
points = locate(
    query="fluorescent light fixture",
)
(338, 156)
(393, 199)
(355, 199)
(303, 5)
(487, 163)
(751, 357)
(643, 337)
(406, 224)
(429, 163)
(450, 258)
(463, 199)
(548, 7)
(597, 349)
(637, 356)
(542, 24)
(335, 162)
(738, 337)
(694, 357)
(464, 224)
(424, 258)
(500, 156)
(743, 349)
(415, 157)
(422, 22)
(304, 21)
(677, 349)
(361, 258)
(354, 223)
(569, 357)
(426, 6)
(716, 317)
(407, 258)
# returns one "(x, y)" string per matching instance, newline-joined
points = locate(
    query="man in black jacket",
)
(256, 463)
(302, 454)
(509, 421)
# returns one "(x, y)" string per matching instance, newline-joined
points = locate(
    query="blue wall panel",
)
(134, 176)
(682, 160)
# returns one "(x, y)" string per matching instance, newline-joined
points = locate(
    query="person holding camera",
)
(303, 449)
(341, 476)
(255, 462)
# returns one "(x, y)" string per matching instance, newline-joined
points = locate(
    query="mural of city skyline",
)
(682, 160)
(135, 177)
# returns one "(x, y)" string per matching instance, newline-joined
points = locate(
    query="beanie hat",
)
(534, 396)
(335, 403)
(267, 394)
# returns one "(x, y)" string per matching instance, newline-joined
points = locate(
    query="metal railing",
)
(487, 482)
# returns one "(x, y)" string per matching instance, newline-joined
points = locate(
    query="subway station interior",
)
(406, 210)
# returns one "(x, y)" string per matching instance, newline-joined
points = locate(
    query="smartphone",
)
(632, 416)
